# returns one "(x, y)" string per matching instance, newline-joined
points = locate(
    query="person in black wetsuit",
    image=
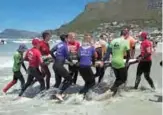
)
(60, 53)
(86, 57)
(33, 56)
(145, 61)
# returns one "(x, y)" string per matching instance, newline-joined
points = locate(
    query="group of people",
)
(80, 58)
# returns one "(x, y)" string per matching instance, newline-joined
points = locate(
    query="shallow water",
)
(127, 102)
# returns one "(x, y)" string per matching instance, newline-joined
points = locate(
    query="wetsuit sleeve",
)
(93, 55)
(78, 55)
(23, 65)
(127, 48)
(54, 49)
(67, 56)
(107, 55)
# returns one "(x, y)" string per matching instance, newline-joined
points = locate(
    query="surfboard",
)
(131, 61)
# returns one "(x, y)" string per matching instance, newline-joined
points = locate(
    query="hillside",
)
(114, 10)
(13, 33)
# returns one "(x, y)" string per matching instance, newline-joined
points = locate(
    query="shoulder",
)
(41, 42)
(38, 52)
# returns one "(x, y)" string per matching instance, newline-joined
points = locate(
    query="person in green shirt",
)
(118, 47)
(18, 61)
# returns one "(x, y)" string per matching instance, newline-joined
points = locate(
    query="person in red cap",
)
(145, 60)
(33, 56)
(45, 51)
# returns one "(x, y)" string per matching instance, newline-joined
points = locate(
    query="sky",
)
(38, 15)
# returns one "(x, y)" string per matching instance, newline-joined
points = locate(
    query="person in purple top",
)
(60, 54)
(86, 57)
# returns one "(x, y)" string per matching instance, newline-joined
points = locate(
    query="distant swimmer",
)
(18, 61)
(145, 60)
(33, 56)
(118, 47)
(86, 57)
(45, 51)
(73, 47)
(60, 54)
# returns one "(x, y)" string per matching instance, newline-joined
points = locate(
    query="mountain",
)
(114, 10)
(13, 33)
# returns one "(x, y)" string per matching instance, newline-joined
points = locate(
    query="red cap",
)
(143, 35)
(35, 41)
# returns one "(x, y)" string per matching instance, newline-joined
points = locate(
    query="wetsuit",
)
(18, 61)
(145, 63)
(73, 48)
(60, 54)
(86, 56)
(33, 56)
(119, 47)
(45, 51)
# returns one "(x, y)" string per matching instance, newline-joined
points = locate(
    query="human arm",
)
(52, 51)
(127, 49)
(24, 67)
(67, 54)
(108, 53)
(93, 55)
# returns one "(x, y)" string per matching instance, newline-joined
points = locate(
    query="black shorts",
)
(144, 67)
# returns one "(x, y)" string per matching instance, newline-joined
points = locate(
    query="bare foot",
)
(59, 97)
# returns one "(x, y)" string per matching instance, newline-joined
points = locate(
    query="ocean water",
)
(127, 102)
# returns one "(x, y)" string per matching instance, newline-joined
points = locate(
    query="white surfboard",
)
(106, 62)
(130, 61)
